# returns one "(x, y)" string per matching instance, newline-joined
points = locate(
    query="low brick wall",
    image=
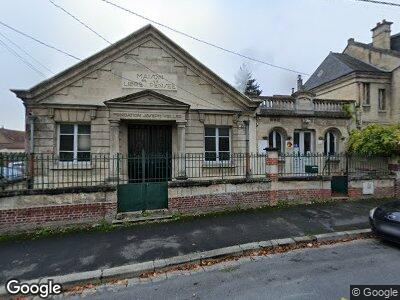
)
(218, 196)
(383, 188)
(30, 211)
(12, 220)
(302, 190)
(88, 206)
(214, 195)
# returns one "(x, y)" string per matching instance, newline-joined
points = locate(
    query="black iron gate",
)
(150, 148)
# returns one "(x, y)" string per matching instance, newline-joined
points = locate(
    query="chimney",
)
(381, 35)
(299, 83)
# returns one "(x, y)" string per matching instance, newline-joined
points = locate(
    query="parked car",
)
(385, 220)
(13, 171)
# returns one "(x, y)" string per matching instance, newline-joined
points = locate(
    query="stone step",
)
(142, 216)
(339, 198)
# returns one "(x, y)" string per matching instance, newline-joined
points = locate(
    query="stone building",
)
(367, 73)
(145, 94)
(303, 123)
(90, 127)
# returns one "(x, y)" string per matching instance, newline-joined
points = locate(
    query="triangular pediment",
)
(147, 50)
(146, 98)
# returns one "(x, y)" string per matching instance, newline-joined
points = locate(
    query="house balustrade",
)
(319, 107)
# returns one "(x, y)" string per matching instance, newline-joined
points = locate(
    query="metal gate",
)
(149, 168)
(339, 185)
(142, 196)
(339, 170)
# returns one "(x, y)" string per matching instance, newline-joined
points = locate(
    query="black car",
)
(385, 220)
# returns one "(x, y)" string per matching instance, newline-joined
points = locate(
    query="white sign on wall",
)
(262, 144)
(148, 80)
(368, 188)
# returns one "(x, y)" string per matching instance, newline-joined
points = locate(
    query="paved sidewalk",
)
(90, 251)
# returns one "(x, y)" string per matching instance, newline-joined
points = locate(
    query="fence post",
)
(31, 166)
(248, 170)
(117, 169)
(272, 163)
(181, 127)
(166, 167)
(143, 161)
(1, 166)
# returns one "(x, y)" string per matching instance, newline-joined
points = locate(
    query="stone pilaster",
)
(181, 150)
(114, 147)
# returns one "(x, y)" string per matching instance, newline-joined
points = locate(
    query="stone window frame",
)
(75, 142)
(382, 97)
(366, 94)
(283, 136)
(336, 134)
(217, 128)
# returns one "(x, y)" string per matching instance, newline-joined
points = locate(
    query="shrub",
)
(375, 140)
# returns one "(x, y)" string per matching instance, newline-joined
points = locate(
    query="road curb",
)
(135, 270)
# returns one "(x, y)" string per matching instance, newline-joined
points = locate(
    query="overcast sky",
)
(297, 34)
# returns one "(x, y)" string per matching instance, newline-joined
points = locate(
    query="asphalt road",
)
(80, 252)
(320, 273)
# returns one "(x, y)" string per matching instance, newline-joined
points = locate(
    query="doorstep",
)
(142, 216)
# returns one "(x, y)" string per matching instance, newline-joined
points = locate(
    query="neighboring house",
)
(12, 140)
(303, 123)
(367, 73)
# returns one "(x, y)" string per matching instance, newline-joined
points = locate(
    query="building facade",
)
(302, 123)
(145, 94)
(366, 73)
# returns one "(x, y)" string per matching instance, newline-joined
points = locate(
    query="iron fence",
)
(46, 171)
(367, 167)
(314, 164)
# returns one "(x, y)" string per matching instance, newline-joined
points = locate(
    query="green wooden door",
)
(142, 196)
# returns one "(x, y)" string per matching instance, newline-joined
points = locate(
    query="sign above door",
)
(148, 80)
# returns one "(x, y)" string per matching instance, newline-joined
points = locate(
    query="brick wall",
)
(260, 196)
(58, 207)
(30, 211)
(383, 188)
(380, 192)
(200, 203)
(34, 217)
